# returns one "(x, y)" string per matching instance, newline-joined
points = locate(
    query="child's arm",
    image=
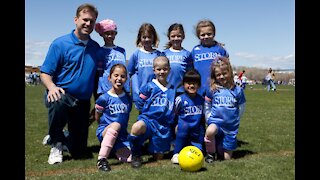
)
(242, 107)
(97, 116)
(207, 108)
(143, 96)
(132, 65)
(242, 102)
(99, 107)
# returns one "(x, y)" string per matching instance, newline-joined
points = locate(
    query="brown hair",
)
(192, 75)
(119, 66)
(175, 26)
(86, 7)
(147, 27)
(205, 23)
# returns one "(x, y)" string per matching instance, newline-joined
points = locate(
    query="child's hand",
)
(222, 58)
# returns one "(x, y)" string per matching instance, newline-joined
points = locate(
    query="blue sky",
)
(257, 33)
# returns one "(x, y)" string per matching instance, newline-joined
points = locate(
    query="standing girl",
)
(112, 111)
(140, 66)
(110, 53)
(180, 58)
(224, 105)
(206, 52)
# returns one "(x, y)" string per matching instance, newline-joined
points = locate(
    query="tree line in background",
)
(252, 73)
(258, 74)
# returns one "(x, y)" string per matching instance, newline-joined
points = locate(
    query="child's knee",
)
(138, 128)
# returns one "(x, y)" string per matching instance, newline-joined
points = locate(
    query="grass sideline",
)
(266, 144)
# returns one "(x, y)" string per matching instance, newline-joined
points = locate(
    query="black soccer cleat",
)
(210, 158)
(136, 162)
(103, 165)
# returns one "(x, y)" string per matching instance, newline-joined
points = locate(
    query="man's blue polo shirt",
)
(72, 65)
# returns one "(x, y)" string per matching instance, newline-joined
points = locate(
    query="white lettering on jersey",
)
(118, 108)
(176, 59)
(206, 56)
(162, 101)
(115, 57)
(225, 101)
(146, 63)
(193, 110)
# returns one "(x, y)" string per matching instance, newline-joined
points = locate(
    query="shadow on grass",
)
(94, 148)
(87, 155)
(241, 153)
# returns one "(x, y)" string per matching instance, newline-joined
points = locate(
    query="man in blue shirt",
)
(68, 74)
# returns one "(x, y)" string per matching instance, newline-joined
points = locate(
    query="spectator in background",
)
(244, 81)
(241, 74)
(236, 79)
(270, 80)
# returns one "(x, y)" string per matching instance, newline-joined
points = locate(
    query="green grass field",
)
(266, 138)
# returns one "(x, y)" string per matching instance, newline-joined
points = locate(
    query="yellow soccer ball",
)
(190, 159)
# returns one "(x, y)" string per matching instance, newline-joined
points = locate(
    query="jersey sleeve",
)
(177, 104)
(241, 97)
(189, 61)
(144, 94)
(101, 103)
(132, 64)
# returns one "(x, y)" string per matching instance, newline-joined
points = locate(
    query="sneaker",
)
(174, 159)
(56, 154)
(103, 165)
(210, 158)
(46, 140)
(136, 162)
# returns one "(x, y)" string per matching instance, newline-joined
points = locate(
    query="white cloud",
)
(35, 52)
(260, 61)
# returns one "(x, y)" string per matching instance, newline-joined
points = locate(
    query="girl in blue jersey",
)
(224, 105)
(206, 52)
(112, 111)
(189, 109)
(180, 58)
(140, 65)
(156, 103)
(109, 54)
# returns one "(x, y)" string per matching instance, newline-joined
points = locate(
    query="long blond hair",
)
(221, 64)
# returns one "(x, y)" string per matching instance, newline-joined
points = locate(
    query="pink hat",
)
(105, 25)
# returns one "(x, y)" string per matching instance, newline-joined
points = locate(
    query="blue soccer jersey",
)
(65, 56)
(141, 64)
(180, 62)
(202, 58)
(156, 103)
(225, 108)
(114, 108)
(111, 56)
(189, 111)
